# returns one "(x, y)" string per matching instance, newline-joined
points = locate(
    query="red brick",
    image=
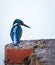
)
(15, 56)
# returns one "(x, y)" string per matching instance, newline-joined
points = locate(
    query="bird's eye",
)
(22, 23)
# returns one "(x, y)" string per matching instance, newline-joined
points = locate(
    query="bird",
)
(16, 31)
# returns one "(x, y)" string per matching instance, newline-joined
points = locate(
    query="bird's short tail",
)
(15, 43)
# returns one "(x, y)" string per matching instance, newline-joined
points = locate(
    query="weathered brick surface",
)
(43, 50)
(46, 51)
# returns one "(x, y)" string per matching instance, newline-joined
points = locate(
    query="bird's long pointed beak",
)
(26, 25)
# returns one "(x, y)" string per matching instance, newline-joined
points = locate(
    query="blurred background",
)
(38, 14)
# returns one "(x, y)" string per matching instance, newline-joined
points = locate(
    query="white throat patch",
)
(15, 24)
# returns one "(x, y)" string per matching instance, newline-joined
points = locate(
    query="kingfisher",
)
(16, 31)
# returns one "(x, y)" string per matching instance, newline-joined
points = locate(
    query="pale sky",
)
(38, 14)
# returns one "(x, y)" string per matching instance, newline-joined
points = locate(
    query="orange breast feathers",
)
(20, 35)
